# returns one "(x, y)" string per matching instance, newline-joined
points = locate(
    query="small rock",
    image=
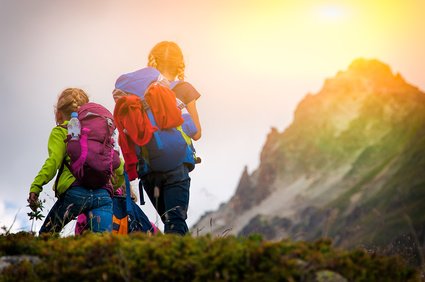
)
(7, 261)
(329, 276)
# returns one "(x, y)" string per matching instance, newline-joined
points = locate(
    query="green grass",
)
(138, 257)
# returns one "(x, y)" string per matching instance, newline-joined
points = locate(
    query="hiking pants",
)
(95, 203)
(172, 201)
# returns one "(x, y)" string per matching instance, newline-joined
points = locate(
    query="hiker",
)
(122, 216)
(149, 122)
(73, 198)
(82, 221)
(128, 216)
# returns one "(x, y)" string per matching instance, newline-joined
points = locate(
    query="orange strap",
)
(120, 225)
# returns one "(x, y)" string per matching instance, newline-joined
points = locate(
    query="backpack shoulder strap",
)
(64, 162)
(59, 175)
(151, 118)
(128, 199)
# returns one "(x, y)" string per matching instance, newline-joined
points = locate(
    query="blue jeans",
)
(95, 203)
(172, 201)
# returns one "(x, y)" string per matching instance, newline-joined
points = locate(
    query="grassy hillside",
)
(106, 257)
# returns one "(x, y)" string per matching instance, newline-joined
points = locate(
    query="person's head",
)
(69, 101)
(167, 58)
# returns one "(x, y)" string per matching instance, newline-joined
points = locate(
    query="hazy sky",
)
(251, 60)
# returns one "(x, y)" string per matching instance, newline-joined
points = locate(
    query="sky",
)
(252, 61)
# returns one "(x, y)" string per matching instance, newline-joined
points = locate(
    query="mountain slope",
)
(351, 166)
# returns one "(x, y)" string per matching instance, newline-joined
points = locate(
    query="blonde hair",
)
(69, 101)
(167, 57)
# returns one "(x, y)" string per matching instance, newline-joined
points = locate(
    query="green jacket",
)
(57, 151)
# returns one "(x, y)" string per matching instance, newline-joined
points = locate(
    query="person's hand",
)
(33, 201)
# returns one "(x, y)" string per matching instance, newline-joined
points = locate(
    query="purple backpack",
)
(93, 158)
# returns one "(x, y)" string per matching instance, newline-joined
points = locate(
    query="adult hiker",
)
(91, 191)
(156, 131)
(127, 216)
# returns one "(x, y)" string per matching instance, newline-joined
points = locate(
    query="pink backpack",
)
(93, 158)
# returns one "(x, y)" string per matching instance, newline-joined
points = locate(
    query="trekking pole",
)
(142, 197)
(156, 196)
(128, 201)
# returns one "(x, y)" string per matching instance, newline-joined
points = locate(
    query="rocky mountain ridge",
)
(350, 166)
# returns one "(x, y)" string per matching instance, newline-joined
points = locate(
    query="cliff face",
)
(351, 166)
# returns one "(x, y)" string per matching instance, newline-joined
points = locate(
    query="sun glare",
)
(331, 13)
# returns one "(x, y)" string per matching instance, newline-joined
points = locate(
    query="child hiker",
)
(73, 198)
(147, 120)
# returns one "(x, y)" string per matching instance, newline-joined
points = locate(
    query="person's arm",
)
(189, 95)
(56, 149)
(191, 108)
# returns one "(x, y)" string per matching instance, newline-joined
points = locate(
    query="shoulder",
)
(60, 129)
(58, 133)
(186, 92)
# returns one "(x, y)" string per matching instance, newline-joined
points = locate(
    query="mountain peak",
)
(365, 76)
(370, 66)
(349, 167)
